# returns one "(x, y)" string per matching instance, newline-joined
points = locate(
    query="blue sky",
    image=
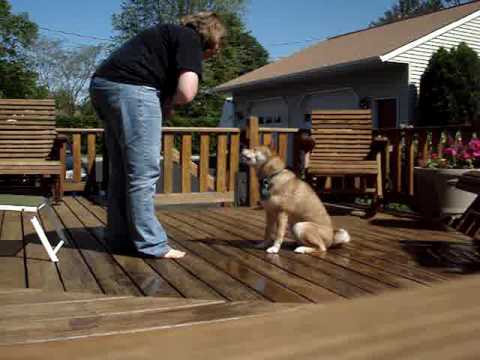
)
(272, 22)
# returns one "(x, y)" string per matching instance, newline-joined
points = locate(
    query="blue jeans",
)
(132, 118)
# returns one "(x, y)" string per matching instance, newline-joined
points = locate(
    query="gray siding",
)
(383, 81)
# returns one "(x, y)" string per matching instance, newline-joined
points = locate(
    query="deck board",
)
(41, 272)
(109, 274)
(12, 267)
(221, 262)
(429, 323)
(185, 282)
(140, 273)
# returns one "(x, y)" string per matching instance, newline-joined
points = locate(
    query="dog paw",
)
(273, 250)
(306, 250)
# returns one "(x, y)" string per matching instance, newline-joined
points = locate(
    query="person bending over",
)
(132, 91)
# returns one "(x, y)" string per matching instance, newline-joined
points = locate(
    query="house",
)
(379, 68)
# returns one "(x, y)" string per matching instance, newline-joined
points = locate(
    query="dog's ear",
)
(273, 147)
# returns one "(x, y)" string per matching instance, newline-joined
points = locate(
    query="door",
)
(387, 113)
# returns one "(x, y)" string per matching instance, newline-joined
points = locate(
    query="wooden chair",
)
(343, 147)
(29, 145)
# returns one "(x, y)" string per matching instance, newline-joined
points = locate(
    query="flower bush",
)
(457, 156)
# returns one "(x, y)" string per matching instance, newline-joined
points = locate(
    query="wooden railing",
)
(81, 143)
(208, 156)
(279, 139)
(403, 149)
(223, 143)
(217, 150)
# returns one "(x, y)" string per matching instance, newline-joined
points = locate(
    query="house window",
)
(269, 120)
(278, 119)
(387, 113)
(261, 120)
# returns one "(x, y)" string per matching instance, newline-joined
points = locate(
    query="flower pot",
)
(436, 195)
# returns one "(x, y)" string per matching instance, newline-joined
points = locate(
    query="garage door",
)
(271, 113)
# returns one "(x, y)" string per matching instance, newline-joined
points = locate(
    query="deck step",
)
(99, 318)
(31, 296)
(83, 308)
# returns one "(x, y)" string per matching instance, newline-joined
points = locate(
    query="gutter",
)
(299, 75)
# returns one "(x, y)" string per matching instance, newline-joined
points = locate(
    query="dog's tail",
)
(341, 236)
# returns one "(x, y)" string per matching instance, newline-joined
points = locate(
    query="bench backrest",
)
(341, 135)
(27, 128)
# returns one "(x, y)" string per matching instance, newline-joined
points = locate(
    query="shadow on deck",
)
(222, 263)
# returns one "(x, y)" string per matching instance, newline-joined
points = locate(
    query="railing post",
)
(91, 163)
(168, 143)
(234, 160)
(253, 140)
(63, 159)
(221, 183)
(397, 161)
(409, 144)
(186, 158)
(77, 157)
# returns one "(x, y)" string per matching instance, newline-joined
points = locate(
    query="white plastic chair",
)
(33, 204)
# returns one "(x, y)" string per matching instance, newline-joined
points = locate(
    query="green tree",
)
(65, 72)
(136, 15)
(450, 88)
(241, 51)
(17, 34)
(409, 8)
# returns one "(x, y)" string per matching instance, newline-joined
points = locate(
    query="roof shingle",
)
(356, 46)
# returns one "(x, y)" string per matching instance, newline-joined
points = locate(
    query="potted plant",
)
(436, 196)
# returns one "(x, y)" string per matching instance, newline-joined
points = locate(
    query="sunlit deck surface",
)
(226, 296)
(222, 263)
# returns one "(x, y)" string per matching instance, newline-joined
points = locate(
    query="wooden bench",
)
(343, 147)
(29, 144)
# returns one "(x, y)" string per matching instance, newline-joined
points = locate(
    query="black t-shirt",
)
(155, 57)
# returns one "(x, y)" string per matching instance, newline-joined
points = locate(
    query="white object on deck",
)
(33, 204)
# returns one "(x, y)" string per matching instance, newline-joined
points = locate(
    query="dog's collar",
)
(266, 184)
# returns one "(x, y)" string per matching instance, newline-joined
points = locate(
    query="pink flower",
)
(450, 152)
(466, 155)
(474, 145)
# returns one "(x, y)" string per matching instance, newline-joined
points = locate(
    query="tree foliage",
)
(65, 72)
(241, 51)
(240, 54)
(409, 8)
(17, 34)
(137, 15)
(450, 88)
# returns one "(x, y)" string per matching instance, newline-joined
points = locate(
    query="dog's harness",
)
(266, 184)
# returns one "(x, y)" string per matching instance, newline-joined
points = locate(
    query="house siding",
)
(387, 81)
(418, 57)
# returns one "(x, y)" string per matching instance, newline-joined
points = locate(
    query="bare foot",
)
(174, 254)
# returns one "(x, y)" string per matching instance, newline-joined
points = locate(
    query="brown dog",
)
(287, 200)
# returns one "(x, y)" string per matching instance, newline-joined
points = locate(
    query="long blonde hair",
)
(209, 26)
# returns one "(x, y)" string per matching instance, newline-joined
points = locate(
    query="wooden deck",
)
(221, 263)
(95, 304)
